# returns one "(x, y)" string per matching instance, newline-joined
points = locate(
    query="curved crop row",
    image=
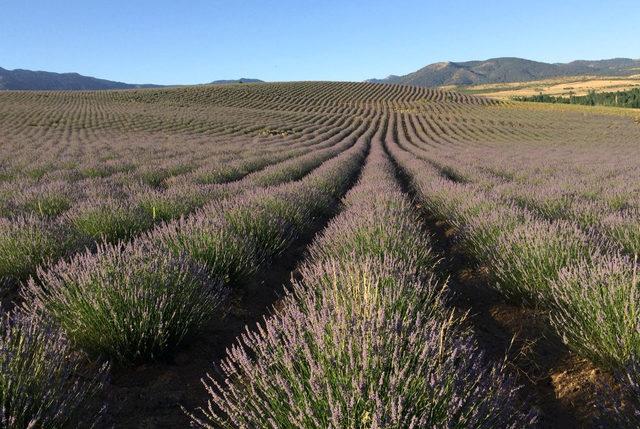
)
(138, 302)
(363, 340)
(588, 289)
(206, 185)
(30, 242)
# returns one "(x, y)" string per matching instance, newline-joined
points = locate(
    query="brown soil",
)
(9, 296)
(561, 386)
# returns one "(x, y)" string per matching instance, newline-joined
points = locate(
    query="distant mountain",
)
(241, 80)
(40, 80)
(499, 70)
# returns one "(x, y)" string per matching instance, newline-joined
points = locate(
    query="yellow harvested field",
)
(577, 85)
(577, 108)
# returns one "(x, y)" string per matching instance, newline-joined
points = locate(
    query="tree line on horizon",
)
(629, 98)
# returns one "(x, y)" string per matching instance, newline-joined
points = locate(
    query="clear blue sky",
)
(165, 41)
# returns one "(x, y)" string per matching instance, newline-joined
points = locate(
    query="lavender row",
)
(43, 383)
(138, 302)
(596, 191)
(588, 288)
(603, 213)
(50, 196)
(135, 302)
(363, 339)
(30, 241)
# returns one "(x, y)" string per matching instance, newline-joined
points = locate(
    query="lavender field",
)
(316, 255)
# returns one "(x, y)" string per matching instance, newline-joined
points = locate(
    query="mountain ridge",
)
(23, 80)
(509, 69)
(241, 80)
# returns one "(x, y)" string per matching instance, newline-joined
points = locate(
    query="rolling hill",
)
(41, 80)
(241, 80)
(500, 70)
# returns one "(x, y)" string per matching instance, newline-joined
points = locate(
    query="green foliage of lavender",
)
(127, 304)
(596, 306)
(108, 220)
(170, 205)
(221, 174)
(212, 243)
(27, 242)
(624, 228)
(156, 177)
(268, 225)
(48, 205)
(43, 383)
(526, 261)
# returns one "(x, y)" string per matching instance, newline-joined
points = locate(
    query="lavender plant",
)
(527, 261)
(48, 200)
(596, 308)
(386, 228)
(320, 364)
(155, 177)
(170, 204)
(95, 170)
(110, 220)
(268, 224)
(128, 304)
(624, 229)
(25, 243)
(211, 242)
(480, 235)
(220, 174)
(42, 382)
(48, 205)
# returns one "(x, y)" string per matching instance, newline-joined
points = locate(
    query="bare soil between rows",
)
(562, 387)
